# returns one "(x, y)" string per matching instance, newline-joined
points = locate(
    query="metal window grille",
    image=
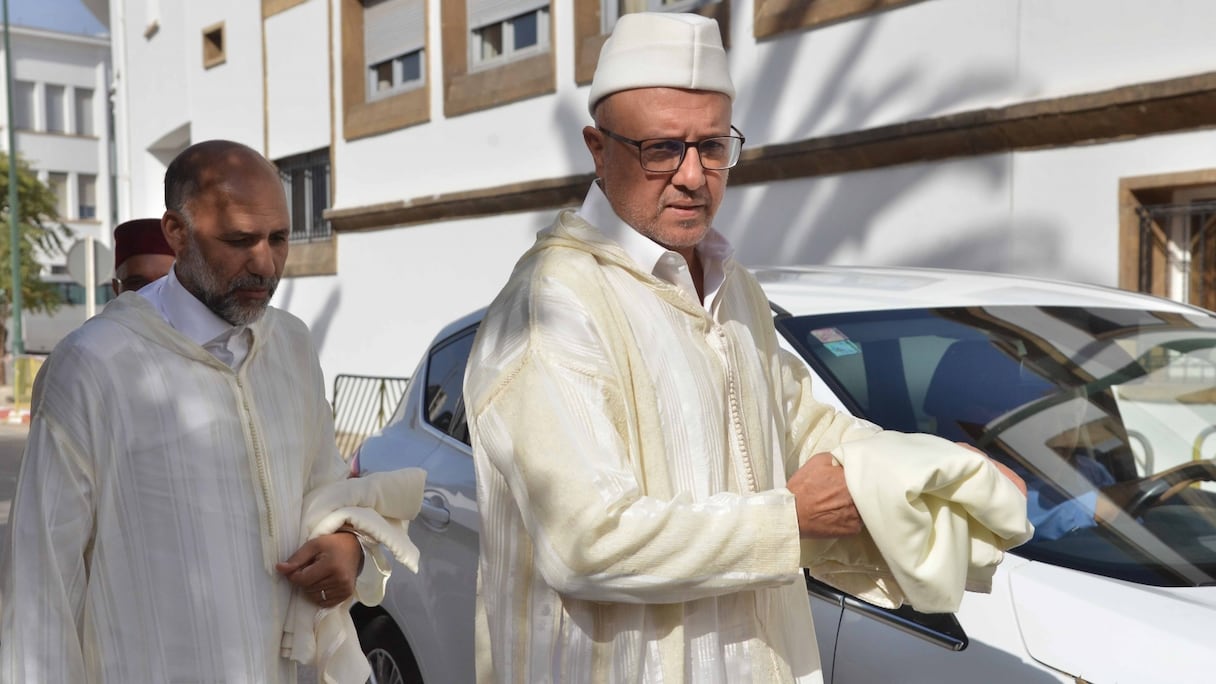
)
(363, 404)
(306, 182)
(1178, 248)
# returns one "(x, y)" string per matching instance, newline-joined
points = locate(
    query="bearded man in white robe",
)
(156, 528)
(649, 467)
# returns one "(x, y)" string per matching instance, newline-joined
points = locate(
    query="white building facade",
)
(424, 142)
(61, 119)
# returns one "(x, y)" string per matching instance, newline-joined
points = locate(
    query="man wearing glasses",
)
(648, 460)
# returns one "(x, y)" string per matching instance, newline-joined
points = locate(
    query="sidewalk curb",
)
(14, 416)
(9, 413)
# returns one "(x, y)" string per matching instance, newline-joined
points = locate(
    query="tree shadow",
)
(570, 116)
(788, 223)
(784, 223)
(320, 323)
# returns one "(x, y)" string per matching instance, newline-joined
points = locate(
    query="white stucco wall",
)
(297, 80)
(225, 101)
(397, 288)
(152, 80)
(1052, 213)
(1048, 212)
(170, 100)
(940, 57)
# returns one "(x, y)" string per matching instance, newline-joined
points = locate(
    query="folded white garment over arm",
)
(938, 518)
(379, 506)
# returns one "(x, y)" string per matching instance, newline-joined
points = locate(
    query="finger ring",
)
(323, 595)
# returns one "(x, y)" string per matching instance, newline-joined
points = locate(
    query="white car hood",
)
(1107, 630)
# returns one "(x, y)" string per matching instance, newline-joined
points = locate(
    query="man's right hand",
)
(825, 507)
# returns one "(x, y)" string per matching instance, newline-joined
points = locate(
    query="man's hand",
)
(825, 507)
(325, 568)
(1004, 469)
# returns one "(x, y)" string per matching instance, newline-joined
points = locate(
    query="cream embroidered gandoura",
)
(631, 477)
(159, 488)
(632, 451)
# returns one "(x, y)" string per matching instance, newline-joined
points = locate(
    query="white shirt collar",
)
(654, 258)
(189, 316)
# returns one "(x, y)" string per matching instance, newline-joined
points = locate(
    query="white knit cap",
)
(661, 50)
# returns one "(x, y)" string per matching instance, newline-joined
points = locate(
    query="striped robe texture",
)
(158, 489)
(632, 451)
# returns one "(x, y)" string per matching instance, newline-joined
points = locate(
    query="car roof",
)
(802, 290)
(461, 323)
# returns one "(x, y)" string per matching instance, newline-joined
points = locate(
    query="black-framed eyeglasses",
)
(665, 155)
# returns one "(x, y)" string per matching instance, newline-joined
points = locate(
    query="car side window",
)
(444, 384)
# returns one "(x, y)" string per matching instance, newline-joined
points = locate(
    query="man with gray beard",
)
(157, 523)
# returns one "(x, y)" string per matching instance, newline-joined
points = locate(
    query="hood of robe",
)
(134, 312)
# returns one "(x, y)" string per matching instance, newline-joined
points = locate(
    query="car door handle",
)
(435, 510)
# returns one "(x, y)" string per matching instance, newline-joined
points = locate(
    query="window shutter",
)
(392, 28)
(484, 12)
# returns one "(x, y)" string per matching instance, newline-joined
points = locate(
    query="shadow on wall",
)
(569, 117)
(784, 223)
(320, 324)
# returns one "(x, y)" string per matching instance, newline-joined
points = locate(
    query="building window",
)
(594, 19)
(613, 9)
(306, 182)
(213, 46)
(1177, 247)
(394, 37)
(780, 16)
(384, 66)
(56, 103)
(495, 52)
(395, 75)
(511, 38)
(23, 105)
(86, 196)
(273, 7)
(72, 294)
(58, 183)
(1167, 236)
(84, 111)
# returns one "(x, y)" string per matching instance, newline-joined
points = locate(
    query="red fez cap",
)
(139, 236)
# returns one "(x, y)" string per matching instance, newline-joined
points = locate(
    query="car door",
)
(448, 524)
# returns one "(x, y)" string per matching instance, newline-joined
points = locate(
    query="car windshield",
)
(1109, 415)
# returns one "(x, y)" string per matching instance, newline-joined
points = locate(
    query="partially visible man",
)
(156, 524)
(141, 255)
(649, 460)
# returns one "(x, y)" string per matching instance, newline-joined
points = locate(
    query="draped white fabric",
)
(158, 489)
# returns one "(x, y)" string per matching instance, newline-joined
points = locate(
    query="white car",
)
(1096, 396)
